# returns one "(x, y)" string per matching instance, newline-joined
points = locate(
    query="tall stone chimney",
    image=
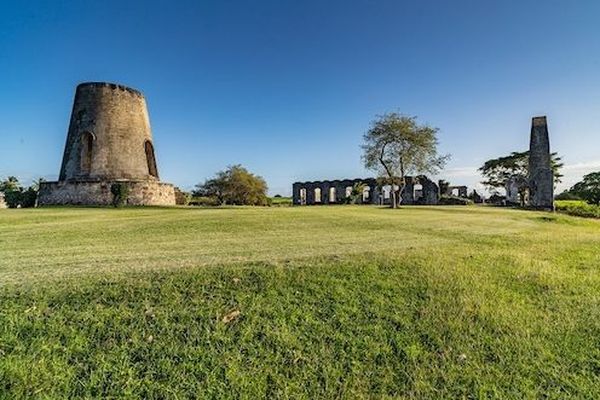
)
(541, 178)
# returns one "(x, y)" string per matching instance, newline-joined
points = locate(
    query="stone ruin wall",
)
(98, 193)
(430, 192)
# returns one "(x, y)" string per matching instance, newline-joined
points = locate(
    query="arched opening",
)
(87, 146)
(317, 195)
(387, 189)
(332, 195)
(417, 192)
(302, 196)
(149, 149)
(366, 194)
(455, 192)
(348, 192)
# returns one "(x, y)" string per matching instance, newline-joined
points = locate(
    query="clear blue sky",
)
(287, 88)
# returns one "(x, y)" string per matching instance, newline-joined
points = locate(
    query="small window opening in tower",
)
(150, 159)
(87, 145)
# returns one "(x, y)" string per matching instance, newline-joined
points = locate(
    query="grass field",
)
(289, 302)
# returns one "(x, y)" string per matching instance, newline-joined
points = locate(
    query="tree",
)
(396, 146)
(589, 188)
(356, 192)
(10, 184)
(235, 185)
(17, 196)
(498, 171)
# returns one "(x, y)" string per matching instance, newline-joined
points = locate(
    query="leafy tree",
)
(235, 185)
(17, 196)
(356, 193)
(10, 184)
(498, 171)
(396, 146)
(589, 188)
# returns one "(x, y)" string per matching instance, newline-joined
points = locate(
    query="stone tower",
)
(109, 141)
(541, 177)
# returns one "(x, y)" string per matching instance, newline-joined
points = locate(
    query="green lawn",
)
(298, 302)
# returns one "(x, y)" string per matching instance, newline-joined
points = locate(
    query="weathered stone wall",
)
(98, 193)
(107, 135)
(378, 194)
(541, 177)
(431, 191)
(2, 201)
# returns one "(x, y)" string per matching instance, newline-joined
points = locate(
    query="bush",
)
(577, 208)
(497, 199)
(204, 201)
(21, 198)
(454, 201)
(280, 201)
(566, 195)
(236, 186)
(29, 198)
(12, 198)
(120, 192)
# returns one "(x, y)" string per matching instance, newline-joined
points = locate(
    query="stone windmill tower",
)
(109, 141)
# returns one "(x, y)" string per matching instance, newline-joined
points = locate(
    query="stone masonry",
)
(109, 141)
(418, 190)
(541, 177)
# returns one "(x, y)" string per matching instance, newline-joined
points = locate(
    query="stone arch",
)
(303, 196)
(86, 151)
(417, 191)
(332, 194)
(151, 160)
(317, 195)
(366, 194)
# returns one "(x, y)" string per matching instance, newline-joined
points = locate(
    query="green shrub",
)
(120, 192)
(204, 201)
(454, 201)
(12, 198)
(566, 195)
(578, 208)
(280, 201)
(21, 198)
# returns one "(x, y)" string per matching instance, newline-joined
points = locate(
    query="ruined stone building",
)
(109, 141)
(418, 190)
(541, 177)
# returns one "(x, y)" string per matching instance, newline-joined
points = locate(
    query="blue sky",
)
(287, 88)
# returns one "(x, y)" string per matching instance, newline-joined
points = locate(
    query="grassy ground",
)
(313, 302)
